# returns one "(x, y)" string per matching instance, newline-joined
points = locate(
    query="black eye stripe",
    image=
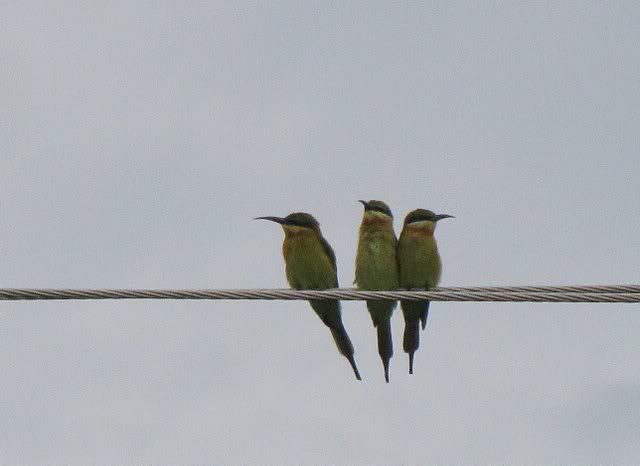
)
(301, 220)
(380, 209)
(420, 217)
(297, 223)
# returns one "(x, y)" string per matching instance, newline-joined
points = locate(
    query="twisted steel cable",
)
(552, 294)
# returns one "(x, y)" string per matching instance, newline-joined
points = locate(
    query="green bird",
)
(377, 269)
(420, 267)
(310, 264)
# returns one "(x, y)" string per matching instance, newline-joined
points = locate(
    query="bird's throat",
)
(421, 229)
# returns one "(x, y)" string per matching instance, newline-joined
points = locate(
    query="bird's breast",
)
(376, 265)
(419, 261)
(307, 265)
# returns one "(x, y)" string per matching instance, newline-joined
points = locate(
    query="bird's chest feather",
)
(307, 266)
(376, 265)
(419, 261)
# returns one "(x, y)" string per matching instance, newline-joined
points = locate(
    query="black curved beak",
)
(279, 220)
(441, 216)
(364, 203)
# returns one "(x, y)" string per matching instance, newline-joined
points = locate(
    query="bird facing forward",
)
(377, 269)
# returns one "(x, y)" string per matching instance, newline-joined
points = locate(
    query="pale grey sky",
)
(138, 140)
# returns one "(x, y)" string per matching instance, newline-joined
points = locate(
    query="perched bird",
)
(377, 269)
(420, 267)
(310, 264)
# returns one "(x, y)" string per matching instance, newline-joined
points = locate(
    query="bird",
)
(377, 269)
(419, 266)
(310, 264)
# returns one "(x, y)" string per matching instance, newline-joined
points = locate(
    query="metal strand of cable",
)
(552, 294)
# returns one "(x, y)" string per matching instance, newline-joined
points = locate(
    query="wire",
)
(552, 294)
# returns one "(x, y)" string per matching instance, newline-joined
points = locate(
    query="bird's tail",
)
(329, 313)
(415, 313)
(385, 346)
(424, 314)
(381, 312)
(343, 342)
(411, 339)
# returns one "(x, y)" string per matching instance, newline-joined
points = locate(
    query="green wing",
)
(332, 256)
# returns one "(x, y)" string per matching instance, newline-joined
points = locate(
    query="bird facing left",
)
(310, 264)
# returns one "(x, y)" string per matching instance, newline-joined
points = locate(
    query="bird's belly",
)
(420, 272)
(379, 271)
(304, 274)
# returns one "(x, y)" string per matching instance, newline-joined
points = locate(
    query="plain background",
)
(139, 139)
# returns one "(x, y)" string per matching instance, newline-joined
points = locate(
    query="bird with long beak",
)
(420, 267)
(310, 264)
(377, 269)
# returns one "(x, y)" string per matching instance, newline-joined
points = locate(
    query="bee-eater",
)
(377, 269)
(420, 267)
(310, 264)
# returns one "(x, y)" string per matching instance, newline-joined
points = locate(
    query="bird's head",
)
(376, 207)
(295, 223)
(423, 219)
(376, 212)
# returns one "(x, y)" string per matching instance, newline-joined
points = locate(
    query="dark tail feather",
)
(424, 315)
(385, 345)
(381, 312)
(329, 313)
(343, 342)
(354, 367)
(411, 339)
(415, 315)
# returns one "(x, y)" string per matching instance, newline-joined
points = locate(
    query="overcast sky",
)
(139, 139)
